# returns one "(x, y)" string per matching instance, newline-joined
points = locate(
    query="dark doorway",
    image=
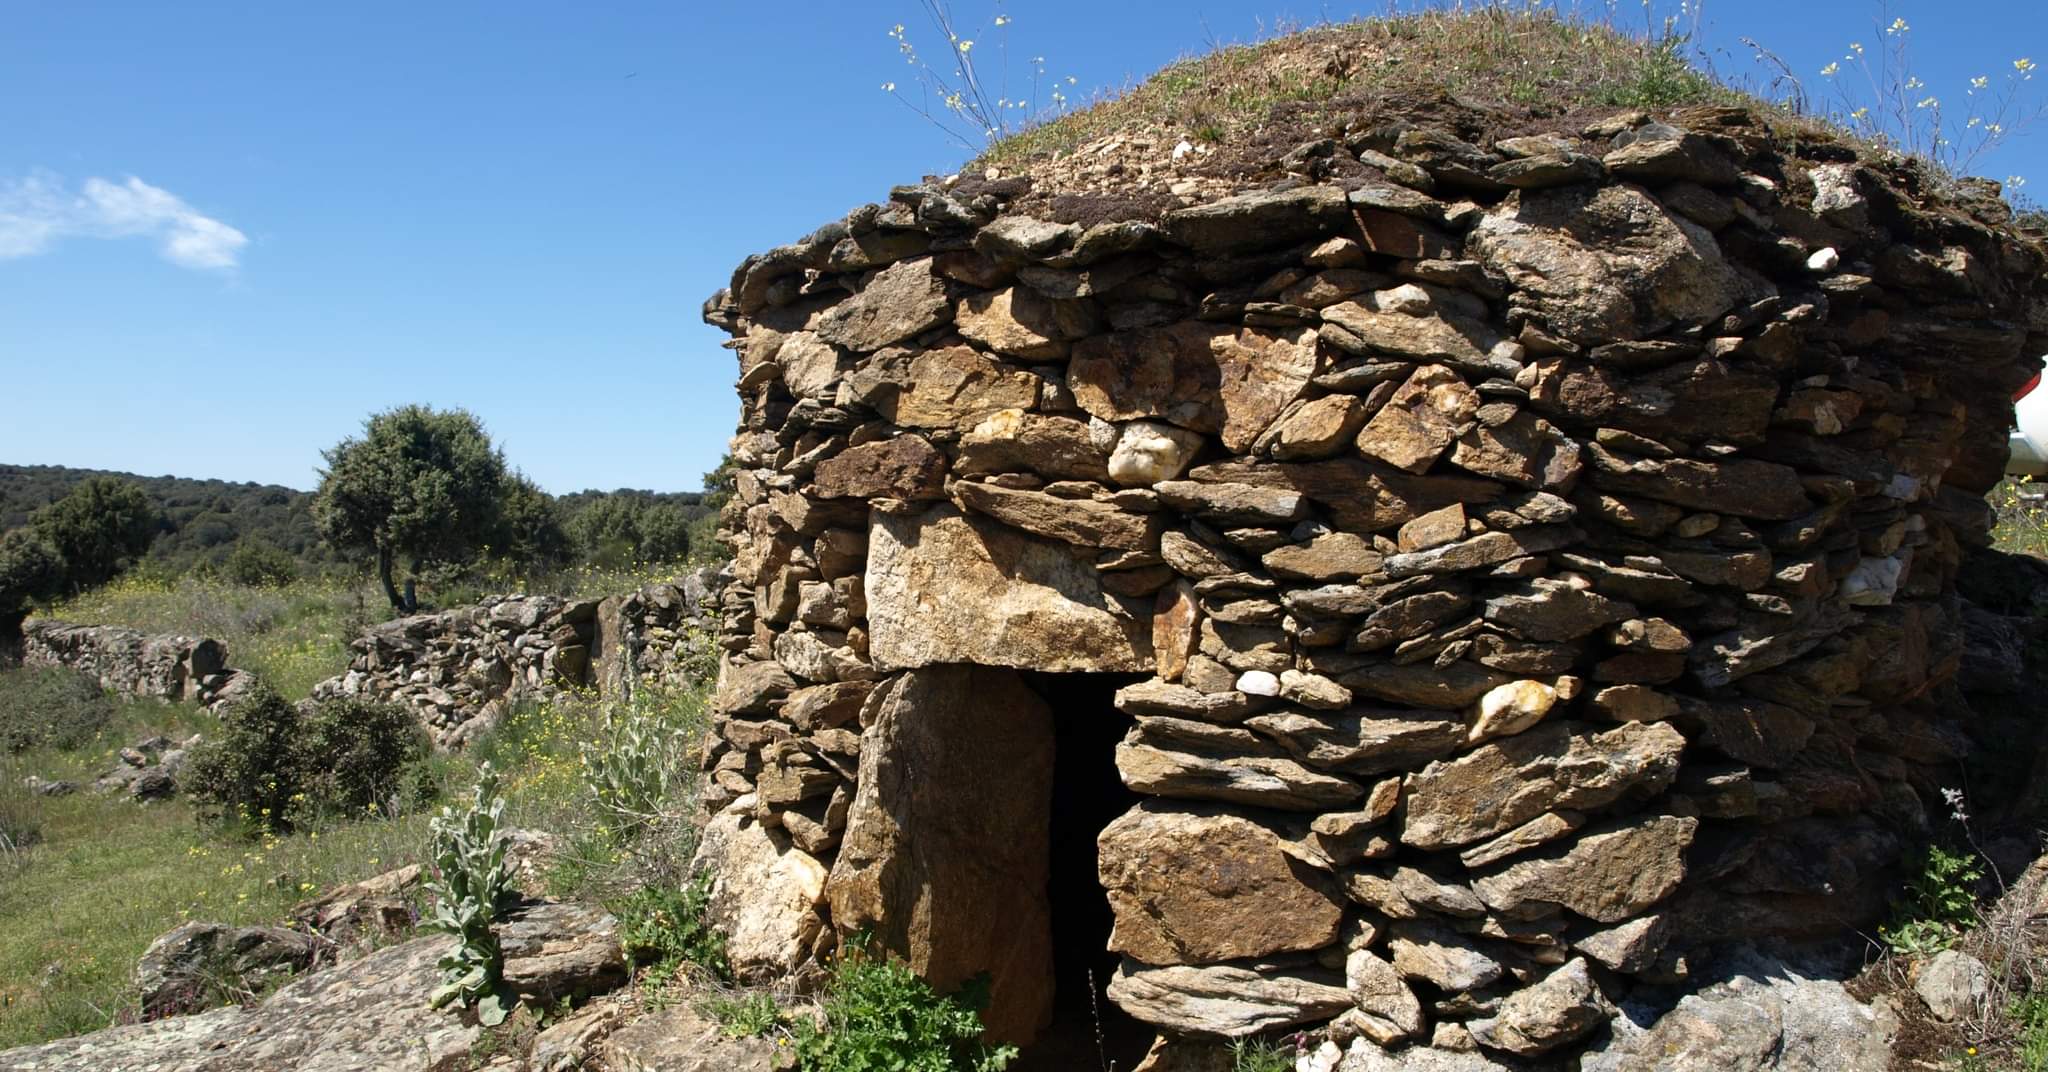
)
(1088, 1031)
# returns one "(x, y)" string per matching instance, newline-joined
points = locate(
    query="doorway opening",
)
(1088, 1032)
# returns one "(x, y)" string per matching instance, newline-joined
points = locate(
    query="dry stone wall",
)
(1540, 556)
(158, 666)
(459, 669)
(456, 669)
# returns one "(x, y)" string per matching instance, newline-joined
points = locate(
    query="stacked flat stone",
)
(1542, 553)
(157, 666)
(660, 634)
(457, 669)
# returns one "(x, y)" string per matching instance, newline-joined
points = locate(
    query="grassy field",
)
(102, 876)
(2022, 509)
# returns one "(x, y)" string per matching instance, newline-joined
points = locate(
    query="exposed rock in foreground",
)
(367, 1014)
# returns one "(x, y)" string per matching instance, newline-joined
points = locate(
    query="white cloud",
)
(36, 212)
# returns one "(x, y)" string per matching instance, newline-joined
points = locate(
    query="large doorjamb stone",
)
(948, 841)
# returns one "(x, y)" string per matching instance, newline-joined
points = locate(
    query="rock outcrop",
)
(368, 1013)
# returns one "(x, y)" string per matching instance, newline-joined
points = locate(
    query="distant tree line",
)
(84, 539)
(419, 491)
(199, 523)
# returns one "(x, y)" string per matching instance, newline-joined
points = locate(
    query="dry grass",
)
(1520, 60)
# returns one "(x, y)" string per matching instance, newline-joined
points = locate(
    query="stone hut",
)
(1412, 591)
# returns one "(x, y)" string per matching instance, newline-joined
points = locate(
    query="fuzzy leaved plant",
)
(630, 772)
(474, 885)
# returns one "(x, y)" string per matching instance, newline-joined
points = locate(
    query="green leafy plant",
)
(880, 1016)
(2030, 1013)
(669, 927)
(472, 887)
(50, 707)
(1663, 77)
(277, 764)
(635, 771)
(751, 1016)
(1260, 1055)
(1940, 903)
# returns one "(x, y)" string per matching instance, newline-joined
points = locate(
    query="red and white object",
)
(2029, 437)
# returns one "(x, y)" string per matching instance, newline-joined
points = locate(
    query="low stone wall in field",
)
(458, 669)
(158, 666)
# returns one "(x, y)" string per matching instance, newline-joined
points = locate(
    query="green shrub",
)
(1939, 905)
(50, 707)
(277, 764)
(358, 753)
(879, 1015)
(667, 927)
(260, 565)
(752, 1016)
(638, 772)
(1260, 1055)
(472, 887)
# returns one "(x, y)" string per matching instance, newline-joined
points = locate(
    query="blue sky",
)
(229, 232)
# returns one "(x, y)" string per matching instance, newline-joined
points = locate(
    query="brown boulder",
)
(899, 301)
(1608, 874)
(1549, 610)
(1564, 1005)
(1360, 496)
(765, 894)
(1421, 418)
(1197, 886)
(946, 846)
(1364, 740)
(905, 467)
(1012, 439)
(1081, 522)
(1259, 781)
(1743, 488)
(1318, 429)
(1020, 322)
(1333, 556)
(1228, 1000)
(943, 587)
(1556, 766)
(1605, 263)
(1209, 378)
